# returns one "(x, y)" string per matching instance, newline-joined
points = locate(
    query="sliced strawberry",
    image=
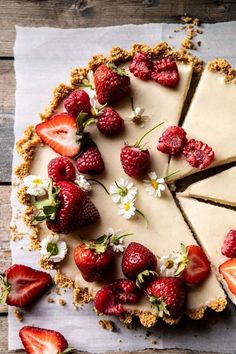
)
(42, 341)
(228, 272)
(24, 284)
(198, 266)
(59, 132)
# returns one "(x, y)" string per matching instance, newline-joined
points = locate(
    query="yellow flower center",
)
(169, 263)
(127, 206)
(154, 184)
(37, 181)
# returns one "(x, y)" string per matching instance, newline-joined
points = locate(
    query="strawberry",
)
(137, 261)
(109, 122)
(198, 154)
(172, 141)
(90, 161)
(167, 296)
(87, 214)
(141, 66)
(43, 341)
(61, 169)
(109, 298)
(135, 159)
(111, 83)
(198, 266)
(22, 285)
(77, 102)
(228, 272)
(166, 72)
(59, 132)
(228, 248)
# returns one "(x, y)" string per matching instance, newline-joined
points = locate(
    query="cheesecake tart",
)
(96, 188)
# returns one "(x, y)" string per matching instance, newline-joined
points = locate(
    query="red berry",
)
(228, 248)
(109, 122)
(61, 169)
(134, 161)
(198, 267)
(78, 102)
(109, 299)
(136, 259)
(228, 272)
(172, 141)
(111, 83)
(166, 72)
(90, 161)
(141, 66)
(167, 294)
(87, 214)
(198, 154)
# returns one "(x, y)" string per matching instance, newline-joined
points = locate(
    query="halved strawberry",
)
(198, 266)
(228, 272)
(22, 285)
(42, 341)
(59, 132)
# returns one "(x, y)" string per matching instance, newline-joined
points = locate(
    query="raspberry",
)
(172, 141)
(134, 161)
(141, 66)
(198, 154)
(90, 161)
(166, 72)
(78, 102)
(228, 248)
(61, 169)
(109, 122)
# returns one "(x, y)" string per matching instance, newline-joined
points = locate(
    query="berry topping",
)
(22, 285)
(228, 272)
(90, 161)
(198, 266)
(87, 214)
(61, 169)
(59, 132)
(172, 141)
(43, 341)
(136, 259)
(228, 248)
(110, 298)
(141, 66)
(166, 72)
(111, 83)
(198, 154)
(78, 102)
(109, 122)
(167, 296)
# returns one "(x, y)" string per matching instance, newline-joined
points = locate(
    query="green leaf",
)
(120, 71)
(146, 273)
(5, 288)
(183, 264)
(68, 350)
(159, 307)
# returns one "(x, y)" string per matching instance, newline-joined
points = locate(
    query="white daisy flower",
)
(122, 188)
(168, 265)
(53, 249)
(127, 208)
(154, 186)
(116, 240)
(81, 181)
(36, 185)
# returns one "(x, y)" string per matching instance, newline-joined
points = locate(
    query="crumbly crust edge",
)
(223, 67)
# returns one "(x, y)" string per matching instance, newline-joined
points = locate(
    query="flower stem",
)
(146, 220)
(171, 174)
(86, 85)
(149, 131)
(101, 184)
(132, 104)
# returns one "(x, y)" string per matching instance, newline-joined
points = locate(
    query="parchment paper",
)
(43, 58)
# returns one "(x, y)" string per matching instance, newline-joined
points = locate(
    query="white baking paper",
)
(43, 58)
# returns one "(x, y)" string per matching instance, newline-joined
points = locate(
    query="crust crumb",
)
(197, 314)
(171, 321)
(147, 319)
(118, 54)
(34, 239)
(81, 296)
(78, 75)
(23, 197)
(15, 235)
(127, 319)
(107, 324)
(190, 20)
(51, 300)
(218, 305)
(19, 315)
(95, 61)
(222, 66)
(46, 264)
(62, 281)
(61, 302)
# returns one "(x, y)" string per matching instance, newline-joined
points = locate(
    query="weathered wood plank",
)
(89, 13)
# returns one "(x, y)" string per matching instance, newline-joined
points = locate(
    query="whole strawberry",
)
(198, 154)
(166, 72)
(90, 161)
(172, 141)
(135, 159)
(228, 248)
(109, 299)
(167, 296)
(111, 83)
(77, 102)
(87, 214)
(141, 66)
(138, 261)
(109, 122)
(61, 169)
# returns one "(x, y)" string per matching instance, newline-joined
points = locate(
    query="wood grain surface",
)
(72, 14)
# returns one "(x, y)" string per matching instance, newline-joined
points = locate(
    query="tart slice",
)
(220, 188)
(211, 117)
(211, 225)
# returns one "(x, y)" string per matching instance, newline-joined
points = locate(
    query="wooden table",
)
(69, 14)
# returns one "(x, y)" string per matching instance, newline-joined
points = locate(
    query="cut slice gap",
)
(203, 220)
